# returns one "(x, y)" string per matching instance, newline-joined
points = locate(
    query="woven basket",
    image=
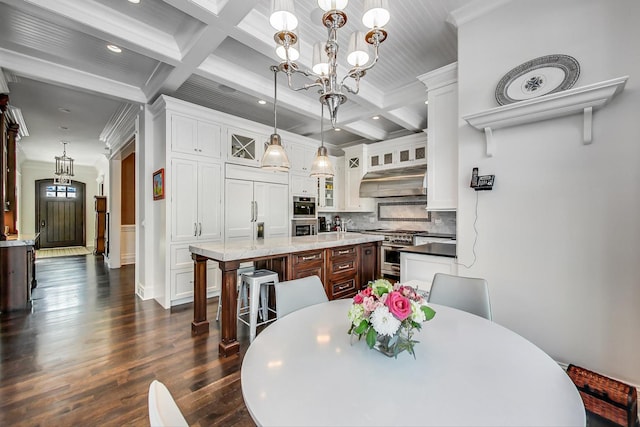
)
(605, 397)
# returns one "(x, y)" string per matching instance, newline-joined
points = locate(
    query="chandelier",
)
(64, 168)
(325, 54)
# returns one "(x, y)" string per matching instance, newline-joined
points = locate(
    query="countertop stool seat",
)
(257, 283)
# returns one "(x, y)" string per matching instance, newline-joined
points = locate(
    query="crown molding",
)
(120, 127)
(473, 10)
(440, 77)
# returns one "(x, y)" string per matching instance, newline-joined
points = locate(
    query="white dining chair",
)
(469, 294)
(163, 410)
(295, 294)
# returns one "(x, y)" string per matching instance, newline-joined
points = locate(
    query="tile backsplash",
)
(439, 222)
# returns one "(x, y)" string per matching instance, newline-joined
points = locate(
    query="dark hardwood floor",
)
(89, 349)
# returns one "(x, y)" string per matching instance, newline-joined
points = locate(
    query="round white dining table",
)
(303, 370)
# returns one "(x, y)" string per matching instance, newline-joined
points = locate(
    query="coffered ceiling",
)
(216, 53)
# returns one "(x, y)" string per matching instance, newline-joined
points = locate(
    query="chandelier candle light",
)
(325, 54)
(64, 168)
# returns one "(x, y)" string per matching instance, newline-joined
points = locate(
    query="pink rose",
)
(366, 292)
(399, 305)
(358, 298)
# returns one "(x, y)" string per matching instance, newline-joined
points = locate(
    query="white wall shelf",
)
(573, 101)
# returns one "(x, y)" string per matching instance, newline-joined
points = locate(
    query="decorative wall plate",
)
(540, 76)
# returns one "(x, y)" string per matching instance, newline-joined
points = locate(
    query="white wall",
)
(32, 171)
(559, 235)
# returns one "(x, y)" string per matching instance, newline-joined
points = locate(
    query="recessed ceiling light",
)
(375, 117)
(426, 102)
(134, 1)
(114, 48)
(262, 101)
(337, 129)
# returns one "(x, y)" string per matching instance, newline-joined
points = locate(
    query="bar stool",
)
(256, 283)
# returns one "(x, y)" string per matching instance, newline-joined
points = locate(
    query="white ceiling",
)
(214, 53)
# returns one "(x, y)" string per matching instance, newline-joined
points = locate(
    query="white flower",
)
(356, 314)
(417, 315)
(384, 322)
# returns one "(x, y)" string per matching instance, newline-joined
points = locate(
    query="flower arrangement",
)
(387, 315)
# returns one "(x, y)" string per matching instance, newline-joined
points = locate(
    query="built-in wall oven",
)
(304, 207)
(304, 227)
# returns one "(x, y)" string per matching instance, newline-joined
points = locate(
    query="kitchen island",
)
(343, 261)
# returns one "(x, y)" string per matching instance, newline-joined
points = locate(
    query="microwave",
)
(304, 207)
(307, 227)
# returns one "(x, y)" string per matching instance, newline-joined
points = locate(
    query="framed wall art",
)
(158, 184)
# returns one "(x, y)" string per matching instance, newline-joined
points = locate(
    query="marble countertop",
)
(19, 240)
(437, 249)
(231, 251)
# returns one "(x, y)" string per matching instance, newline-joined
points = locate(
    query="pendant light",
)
(322, 166)
(275, 158)
(64, 167)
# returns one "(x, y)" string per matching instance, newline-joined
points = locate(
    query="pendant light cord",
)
(275, 98)
(322, 124)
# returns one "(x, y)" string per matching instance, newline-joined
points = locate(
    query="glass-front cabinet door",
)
(244, 146)
(329, 200)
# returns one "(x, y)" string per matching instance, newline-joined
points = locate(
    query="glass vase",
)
(388, 345)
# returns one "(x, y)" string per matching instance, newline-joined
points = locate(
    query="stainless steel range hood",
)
(410, 181)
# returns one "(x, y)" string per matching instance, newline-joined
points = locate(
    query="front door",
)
(60, 214)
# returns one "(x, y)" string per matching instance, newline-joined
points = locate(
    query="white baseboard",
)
(126, 259)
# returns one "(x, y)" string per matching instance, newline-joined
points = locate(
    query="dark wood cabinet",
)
(305, 264)
(369, 263)
(17, 274)
(101, 224)
(342, 272)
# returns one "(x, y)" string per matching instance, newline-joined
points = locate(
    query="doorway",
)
(60, 213)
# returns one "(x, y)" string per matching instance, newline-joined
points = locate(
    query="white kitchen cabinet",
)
(182, 275)
(302, 184)
(245, 146)
(354, 170)
(196, 200)
(191, 136)
(301, 156)
(399, 152)
(442, 141)
(422, 268)
(250, 203)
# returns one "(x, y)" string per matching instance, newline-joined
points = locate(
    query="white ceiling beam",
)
(103, 22)
(4, 86)
(203, 45)
(50, 72)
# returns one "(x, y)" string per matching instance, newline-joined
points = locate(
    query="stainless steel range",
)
(395, 240)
